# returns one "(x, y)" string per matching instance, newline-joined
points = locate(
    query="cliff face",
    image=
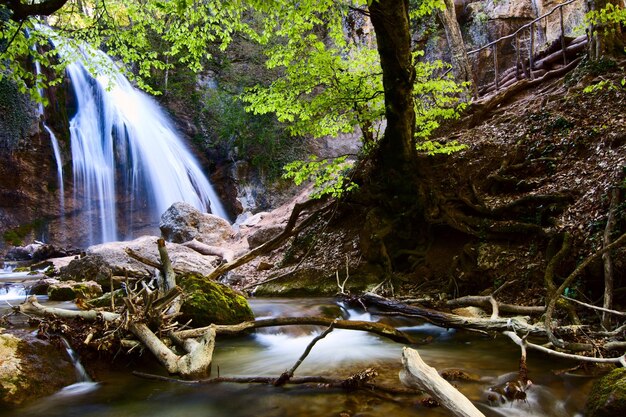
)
(29, 200)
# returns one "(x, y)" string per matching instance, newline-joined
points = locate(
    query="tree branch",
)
(21, 10)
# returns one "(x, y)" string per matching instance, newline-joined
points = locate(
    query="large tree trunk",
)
(460, 62)
(390, 19)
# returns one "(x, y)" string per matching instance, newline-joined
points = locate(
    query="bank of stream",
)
(269, 352)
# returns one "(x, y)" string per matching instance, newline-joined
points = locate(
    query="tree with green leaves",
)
(606, 18)
(329, 83)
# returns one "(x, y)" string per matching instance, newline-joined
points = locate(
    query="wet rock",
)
(30, 369)
(207, 302)
(70, 290)
(182, 222)
(40, 287)
(263, 234)
(456, 374)
(608, 395)
(473, 312)
(93, 267)
(102, 261)
(34, 252)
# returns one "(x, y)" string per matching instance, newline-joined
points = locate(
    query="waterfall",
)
(129, 163)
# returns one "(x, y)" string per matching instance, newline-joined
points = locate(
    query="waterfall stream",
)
(129, 164)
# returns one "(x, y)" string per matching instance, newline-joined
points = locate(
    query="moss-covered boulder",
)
(31, 368)
(208, 302)
(70, 290)
(608, 395)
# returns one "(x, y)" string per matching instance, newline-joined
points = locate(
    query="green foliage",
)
(329, 176)
(258, 138)
(328, 82)
(609, 14)
(16, 236)
(437, 148)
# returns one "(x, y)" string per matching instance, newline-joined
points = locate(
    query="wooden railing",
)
(519, 61)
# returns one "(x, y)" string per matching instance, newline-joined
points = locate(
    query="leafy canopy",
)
(330, 77)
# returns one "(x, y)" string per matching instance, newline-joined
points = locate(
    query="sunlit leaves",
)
(330, 177)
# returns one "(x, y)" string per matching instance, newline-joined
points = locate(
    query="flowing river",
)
(269, 352)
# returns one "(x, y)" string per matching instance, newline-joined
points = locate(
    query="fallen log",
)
(448, 320)
(525, 344)
(291, 228)
(197, 361)
(485, 302)
(380, 329)
(31, 306)
(417, 374)
(204, 249)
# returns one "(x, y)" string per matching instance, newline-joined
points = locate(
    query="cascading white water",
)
(127, 157)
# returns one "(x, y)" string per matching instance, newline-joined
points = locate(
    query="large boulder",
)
(87, 268)
(31, 368)
(608, 395)
(102, 261)
(264, 234)
(208, 302)
(183, 222)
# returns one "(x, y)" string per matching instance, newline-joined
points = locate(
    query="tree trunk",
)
(605, 39)
(390, 19)
(460, 62)
(608, 261)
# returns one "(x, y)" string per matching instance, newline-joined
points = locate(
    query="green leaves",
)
(329, 176)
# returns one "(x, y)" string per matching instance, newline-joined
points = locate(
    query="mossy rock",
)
(91, 267)
(30, 369)
(608, 395)
(66, 291)
(208, 302)
(105, 299)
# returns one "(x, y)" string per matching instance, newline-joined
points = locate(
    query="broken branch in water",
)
(286, 376)
(417, 374)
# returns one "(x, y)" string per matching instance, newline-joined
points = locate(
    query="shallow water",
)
(340, 354)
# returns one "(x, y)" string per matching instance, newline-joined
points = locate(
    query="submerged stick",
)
(286, 376)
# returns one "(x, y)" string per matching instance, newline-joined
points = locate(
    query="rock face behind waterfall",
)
(183, 222)
(31, 368)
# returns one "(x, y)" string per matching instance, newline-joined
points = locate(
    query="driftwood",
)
(486, 301)
(359, 381)
(194, 364)
(604, 310)
(169, 278)
(197, 361)
(514, 324)
(417, 374)
(204, 249)
(525, 344)
(448, 320)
